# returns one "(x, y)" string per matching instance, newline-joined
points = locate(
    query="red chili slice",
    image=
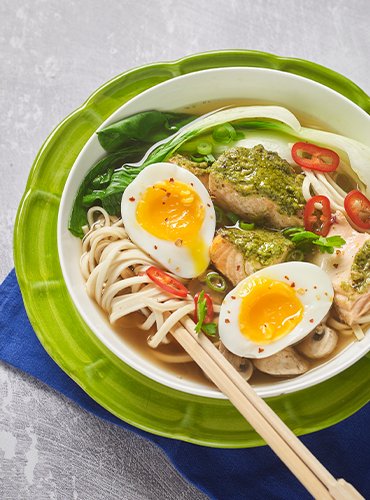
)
(358, 208)
(315, 158)
(167, 282)
(316, 220)
(209, 306)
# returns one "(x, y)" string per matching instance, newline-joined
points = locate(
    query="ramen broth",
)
(128, 329)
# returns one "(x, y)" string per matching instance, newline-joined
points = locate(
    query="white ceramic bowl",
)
(298, 94)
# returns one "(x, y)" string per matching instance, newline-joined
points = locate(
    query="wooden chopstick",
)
(312, 474)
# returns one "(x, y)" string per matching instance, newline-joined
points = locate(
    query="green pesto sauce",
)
(259, 245)
(360, 270)
(197, 169)
(257, 171)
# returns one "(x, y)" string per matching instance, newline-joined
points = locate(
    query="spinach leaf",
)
(148, 126)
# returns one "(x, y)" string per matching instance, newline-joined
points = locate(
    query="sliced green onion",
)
(204, 148)
(291, 230)
(224, 134)
(246, 226)
(216, 282)
(210, 158)
(296, 255)
(197, 159)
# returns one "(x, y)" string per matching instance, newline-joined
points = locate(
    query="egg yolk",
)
(171, 210)
(269, 310)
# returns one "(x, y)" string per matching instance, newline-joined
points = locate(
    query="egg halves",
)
(274, 308)
(168, 213)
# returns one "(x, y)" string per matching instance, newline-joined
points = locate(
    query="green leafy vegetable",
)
(224, 134)
(94, 186)
(208, 328)
(149, 127)
(305, 239)
(232, 217)
(106, 181)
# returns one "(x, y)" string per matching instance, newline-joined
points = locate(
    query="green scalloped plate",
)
(126, 393)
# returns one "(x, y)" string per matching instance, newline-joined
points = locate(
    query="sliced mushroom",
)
(283, 363)
(319, 343)
(242, 365)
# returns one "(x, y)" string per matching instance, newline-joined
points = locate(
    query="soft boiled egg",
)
(168, 213)
(274, 308)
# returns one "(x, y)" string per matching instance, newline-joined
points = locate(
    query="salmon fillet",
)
(237, 253)
(351, 287)
(259, 186)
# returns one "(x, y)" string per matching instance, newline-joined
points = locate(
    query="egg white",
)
(176, 259)
(314, 290)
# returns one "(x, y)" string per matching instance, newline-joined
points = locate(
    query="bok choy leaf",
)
(148, 127)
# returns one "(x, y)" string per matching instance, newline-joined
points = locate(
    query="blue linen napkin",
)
(254, 473)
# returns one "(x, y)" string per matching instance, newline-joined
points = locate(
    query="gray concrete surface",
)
(53, 54)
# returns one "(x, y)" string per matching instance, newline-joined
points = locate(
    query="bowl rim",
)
(283, 387)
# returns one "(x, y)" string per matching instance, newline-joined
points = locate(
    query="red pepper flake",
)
(191, 184)
(292, 284)
(155, 247)
(260, 349)
(336, 266)
(233, 297)
(172, 179)
(315, 287)
(132, 198)
(238, 268)
(168, 194)
(163, 202)
(227, 321)
(166, 219)
(286, 277)
(312, 320)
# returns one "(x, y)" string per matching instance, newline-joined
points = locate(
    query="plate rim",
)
(200, 58)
